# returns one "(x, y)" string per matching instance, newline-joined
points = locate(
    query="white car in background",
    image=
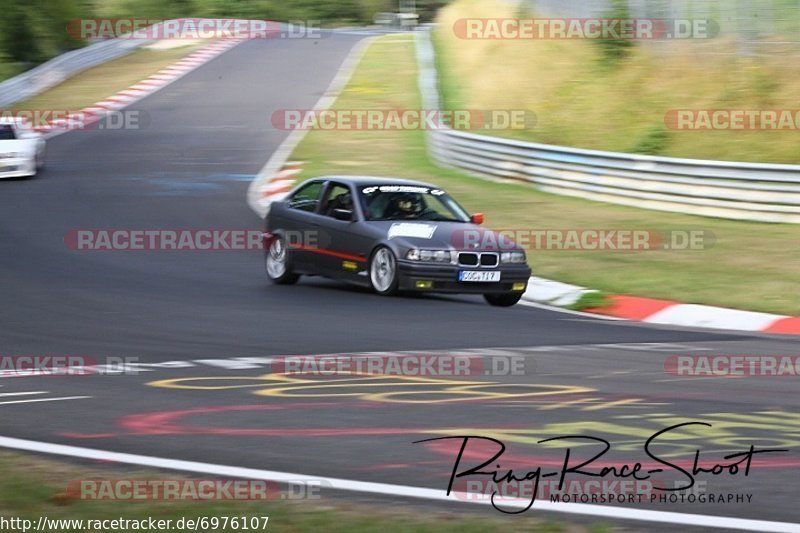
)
(22, 148)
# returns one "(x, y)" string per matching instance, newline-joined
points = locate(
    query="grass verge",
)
(582, 101)
(750, 266)
(32, 486)
(100, 82)
(591, 300)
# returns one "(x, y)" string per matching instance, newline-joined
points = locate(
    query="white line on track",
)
(32, 393)
(403, 491)
(63, 398)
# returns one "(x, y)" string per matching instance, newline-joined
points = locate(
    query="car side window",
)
(337, 197)
(307, 198)
(7, 132)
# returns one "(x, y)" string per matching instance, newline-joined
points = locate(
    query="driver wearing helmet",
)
(406, 205)
(343, 201)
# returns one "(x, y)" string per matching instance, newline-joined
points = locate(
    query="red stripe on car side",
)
(333, 253)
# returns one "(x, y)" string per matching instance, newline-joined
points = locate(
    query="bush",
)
(427, 9)
(354, 11)
(654, 142)
(614, 50)
(19, 41)
(32, 31)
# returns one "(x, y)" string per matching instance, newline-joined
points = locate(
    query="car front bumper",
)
(429, 277)
(15, 168)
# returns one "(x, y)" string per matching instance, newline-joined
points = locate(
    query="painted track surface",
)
(207, 136)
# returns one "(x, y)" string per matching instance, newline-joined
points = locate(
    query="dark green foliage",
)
(616, 49)
(17, 37)
(654, 142)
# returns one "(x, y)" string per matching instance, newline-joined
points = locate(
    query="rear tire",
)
(504, 299)
(383, 275)
(278, 263)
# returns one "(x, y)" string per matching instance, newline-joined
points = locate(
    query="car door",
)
(347, 246)
(328, 229)
(299, 222)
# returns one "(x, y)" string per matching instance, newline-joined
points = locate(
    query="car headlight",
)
(512, 257)
(430, 256)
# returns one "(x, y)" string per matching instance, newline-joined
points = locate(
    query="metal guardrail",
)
(64, 66)
(742, 191)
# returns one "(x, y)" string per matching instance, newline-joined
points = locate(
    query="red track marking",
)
(632, 307)
(170, 423)
(785, 325)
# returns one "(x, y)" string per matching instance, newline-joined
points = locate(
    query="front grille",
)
(468, 259)
(489, 260)
(473, 259)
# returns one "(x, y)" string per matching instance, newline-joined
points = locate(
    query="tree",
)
(18, 40)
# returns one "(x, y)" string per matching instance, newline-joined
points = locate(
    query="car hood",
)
(443, 235)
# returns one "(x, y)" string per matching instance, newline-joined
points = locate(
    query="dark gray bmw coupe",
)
(392, 235)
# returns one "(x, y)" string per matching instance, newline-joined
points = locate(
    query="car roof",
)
(373, 180)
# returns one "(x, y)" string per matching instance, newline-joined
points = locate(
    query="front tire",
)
(504, 299)
(383, 274)
(278, 263)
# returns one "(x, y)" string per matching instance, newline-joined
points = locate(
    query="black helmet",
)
(408, 204)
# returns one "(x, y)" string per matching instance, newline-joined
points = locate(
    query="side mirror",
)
(343, 214)
(477, 218)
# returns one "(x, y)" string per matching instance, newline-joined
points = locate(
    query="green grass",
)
(32, 486)
(591, 300)
(98, 83)
(9, 70)
(751, 266)
(582, 101)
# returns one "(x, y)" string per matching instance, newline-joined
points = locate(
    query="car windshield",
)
(7, 132)
(410, 202)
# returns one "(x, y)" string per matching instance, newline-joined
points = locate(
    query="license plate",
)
(479, 275)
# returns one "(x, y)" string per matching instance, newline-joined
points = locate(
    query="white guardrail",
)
(742, 191)
(64, 66)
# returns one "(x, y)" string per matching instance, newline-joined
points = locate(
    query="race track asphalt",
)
(206, 136)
